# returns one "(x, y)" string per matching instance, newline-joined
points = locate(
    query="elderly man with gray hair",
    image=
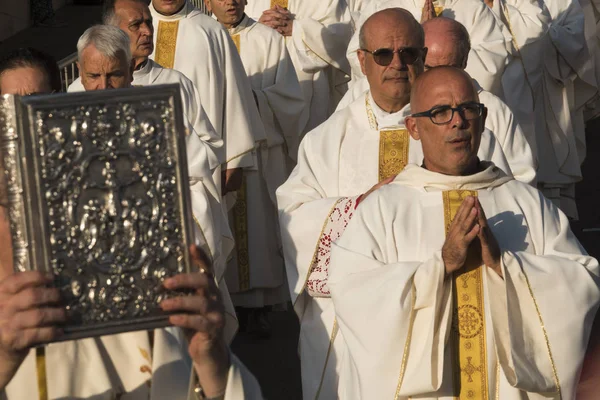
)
(188, 361)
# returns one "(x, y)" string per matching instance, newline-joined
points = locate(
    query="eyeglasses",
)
(441, 115)
(384, 57)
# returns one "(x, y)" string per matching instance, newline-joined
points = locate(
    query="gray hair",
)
(109, 40)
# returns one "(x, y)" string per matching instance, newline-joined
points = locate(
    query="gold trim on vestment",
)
(468, 320)
(497, 380)
(280, 3)
(240, 228)
(408, 340)
(236, 40)
(393, 152)
(537, 310)
(438, 10)
(40, 364)
(334, 332)
(166, 43)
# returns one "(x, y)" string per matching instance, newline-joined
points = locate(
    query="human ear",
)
(411, 126)
(361, 60)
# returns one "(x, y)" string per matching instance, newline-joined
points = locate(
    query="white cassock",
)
(317, 46)
(203, 149)
(256, 273)
(490, 48)
(121, 367)
(344, 157)
(526, 23)
(559, 125)
(199, 47)
(521, 336)
(500, 121)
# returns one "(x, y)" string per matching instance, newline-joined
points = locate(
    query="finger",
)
(470, 220)
(192, 304)
(201, 260)
(210, 324)
(189, 281)
(472, 234)
(463, 211)
(34, 297)
(35, 336)
(38, 318)
(21, 280)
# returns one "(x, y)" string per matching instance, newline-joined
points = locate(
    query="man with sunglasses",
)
(491, 44)
(455, 280)
(357, 150)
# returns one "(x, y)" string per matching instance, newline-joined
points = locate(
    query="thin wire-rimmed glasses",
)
(384, 57)
(441, 115)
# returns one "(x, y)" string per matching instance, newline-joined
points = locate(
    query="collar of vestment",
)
(487, 178)
(244, 23)
(380, 119)
(183, 13)
(145, 70)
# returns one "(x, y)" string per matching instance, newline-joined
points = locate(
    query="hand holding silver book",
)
(98, 195)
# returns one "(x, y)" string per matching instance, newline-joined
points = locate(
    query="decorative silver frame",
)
(98, 194)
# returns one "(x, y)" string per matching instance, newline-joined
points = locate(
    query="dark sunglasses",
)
(384, 57)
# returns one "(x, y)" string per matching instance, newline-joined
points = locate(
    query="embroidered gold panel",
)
(393, 152)
(240, 226)
(468, 321)
(166, 42)
(280, 3)
(236, 41)
(40, 364)
(438, 10)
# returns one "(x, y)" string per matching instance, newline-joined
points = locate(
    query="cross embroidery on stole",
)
(280, 3)
(468, 319)
(393, 146)
(166, 42)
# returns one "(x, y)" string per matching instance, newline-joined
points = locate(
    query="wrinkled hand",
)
(490, 250)
(231, 180)
(463, 230)
(202, 316)
(428, 11)
(278, 18)
(374, 188)
(29, 315)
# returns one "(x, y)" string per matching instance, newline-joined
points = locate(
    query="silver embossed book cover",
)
(98, 195)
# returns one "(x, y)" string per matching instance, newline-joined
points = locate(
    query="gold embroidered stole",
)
(280, 3)
(40, 365)
(468, 338)
(166, 43)
(393, 146)
(237, 41)
(240, 227)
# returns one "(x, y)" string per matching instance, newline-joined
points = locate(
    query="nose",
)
(146, 29)
(104, 83)
(397, 62)
(458, 119)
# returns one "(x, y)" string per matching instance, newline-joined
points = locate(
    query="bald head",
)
(387, 19)
(448, 120)
(448, 43)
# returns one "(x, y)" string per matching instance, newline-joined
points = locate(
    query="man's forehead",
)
(445, 89)
(399, 36)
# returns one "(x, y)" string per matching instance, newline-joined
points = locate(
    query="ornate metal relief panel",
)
(98, 195)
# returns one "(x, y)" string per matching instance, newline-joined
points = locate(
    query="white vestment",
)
(211, 228)
(559, 129)
(500, 121)
(199, 47)
(122, 367)
(490, 51)
(255, 273)
(337, 162)
(394, 304)
(526, 23)
(320, 35)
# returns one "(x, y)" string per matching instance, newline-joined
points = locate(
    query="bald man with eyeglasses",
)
(357, 150)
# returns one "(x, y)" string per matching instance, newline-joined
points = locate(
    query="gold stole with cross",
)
(280, 3)
(467, 338)
(240, 221)
(166, 43)
(393, 146)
